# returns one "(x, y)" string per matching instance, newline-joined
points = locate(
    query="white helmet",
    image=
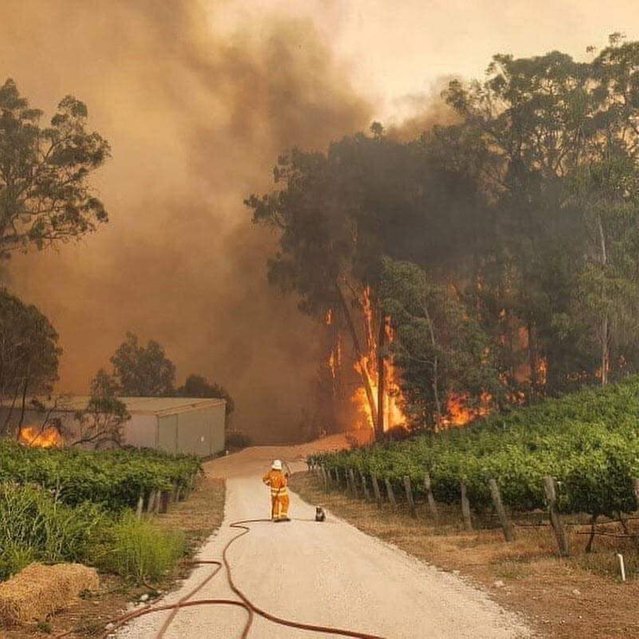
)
(277, 465)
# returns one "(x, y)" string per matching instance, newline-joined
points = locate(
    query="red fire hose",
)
(245, 603)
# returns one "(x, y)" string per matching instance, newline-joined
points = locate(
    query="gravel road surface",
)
(328, 574)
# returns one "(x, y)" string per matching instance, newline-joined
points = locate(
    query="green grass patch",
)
(140, 551)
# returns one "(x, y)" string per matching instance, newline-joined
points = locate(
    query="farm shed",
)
(173, 424)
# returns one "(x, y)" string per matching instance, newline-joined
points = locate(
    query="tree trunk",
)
(533, 361)
(381, 379)
(605, 325)
(23, 406)
(360, 356)
(433, 341)
(605, 350)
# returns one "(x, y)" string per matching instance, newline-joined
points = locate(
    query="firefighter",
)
(277, 480)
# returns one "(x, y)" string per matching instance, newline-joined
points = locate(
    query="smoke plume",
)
(196, 112)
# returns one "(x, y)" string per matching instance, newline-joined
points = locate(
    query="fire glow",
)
(393, 414)
(36, 437)
(460, 412)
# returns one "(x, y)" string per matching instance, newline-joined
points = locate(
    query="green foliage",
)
(588, 441)
(524, 214)
(101, 421)
(44, 193)
(140, 551)
(140, 371)
(198, 386)
(113, 479)
(439, 346)
(34, 527)
(28, 350)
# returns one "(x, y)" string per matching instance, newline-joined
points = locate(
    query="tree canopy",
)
(502, 248)
(139, 371)
(45, 196)
(199, 386)
(29, 353)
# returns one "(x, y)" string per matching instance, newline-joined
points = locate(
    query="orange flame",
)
(367, 368)
(34, 436)
(459, 413)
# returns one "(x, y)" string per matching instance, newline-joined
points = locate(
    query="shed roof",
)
(137, 405)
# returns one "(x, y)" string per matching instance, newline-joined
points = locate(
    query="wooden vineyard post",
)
(378, 494)
(367, 495)
(351, 474)
(432, 504)
(555, 520)
(409, 496)
(389, 491)
(165, 498)
(465, 507)
(337, 478)
(158, 500)
(635, 483)
(140, 506)
(349, 486)
(324, 478)
(150, 505)
(506, 524)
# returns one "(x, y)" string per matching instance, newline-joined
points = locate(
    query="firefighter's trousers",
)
(279, 503)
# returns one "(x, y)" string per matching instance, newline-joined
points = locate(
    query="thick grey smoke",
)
(196, 116)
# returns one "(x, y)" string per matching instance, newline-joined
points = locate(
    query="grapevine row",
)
(589, 442)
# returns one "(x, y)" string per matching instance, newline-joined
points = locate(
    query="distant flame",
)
(48, 437)
(542, 371)
(460, 413)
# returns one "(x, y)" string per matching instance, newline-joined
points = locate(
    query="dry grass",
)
(565, 598)
(199, 516)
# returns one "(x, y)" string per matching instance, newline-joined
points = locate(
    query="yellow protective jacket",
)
(277, 481)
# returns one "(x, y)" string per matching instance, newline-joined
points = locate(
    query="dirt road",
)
(327, 574)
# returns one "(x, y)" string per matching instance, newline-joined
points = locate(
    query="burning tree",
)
(338, 214)
(448, 373)
(515, 228)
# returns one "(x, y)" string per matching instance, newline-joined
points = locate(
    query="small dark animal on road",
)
(320, 515)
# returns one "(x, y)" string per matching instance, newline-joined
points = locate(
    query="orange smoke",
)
(36, 437)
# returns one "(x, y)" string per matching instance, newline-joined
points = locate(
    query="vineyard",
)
(112, 479)
(73, 505)
(588, 442)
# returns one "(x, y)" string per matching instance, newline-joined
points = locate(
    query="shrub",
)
(138, 550)
(34, 527)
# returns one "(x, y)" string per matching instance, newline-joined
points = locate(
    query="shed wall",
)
(141, 431)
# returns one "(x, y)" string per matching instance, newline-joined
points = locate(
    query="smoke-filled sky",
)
(197, 98)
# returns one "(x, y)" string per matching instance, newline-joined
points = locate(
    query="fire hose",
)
(244, 603)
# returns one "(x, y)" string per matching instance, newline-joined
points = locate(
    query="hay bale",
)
(39, 591)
